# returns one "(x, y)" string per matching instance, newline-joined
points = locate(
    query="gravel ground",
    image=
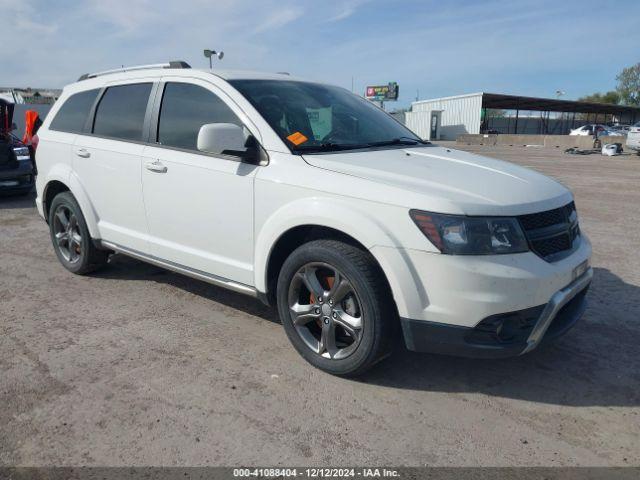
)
(139, 366)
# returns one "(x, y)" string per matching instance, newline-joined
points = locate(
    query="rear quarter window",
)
(74, 112)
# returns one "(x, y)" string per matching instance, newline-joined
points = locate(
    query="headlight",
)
(460, 235)
(22, 153)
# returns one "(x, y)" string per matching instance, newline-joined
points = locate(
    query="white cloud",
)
(22, 17)
(347, 9)
(279, 19)
(29, 26)
(126, 16)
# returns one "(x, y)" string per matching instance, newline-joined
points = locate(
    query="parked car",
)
(620, 129)
(633, 138)
(611, 132)
(314, 200)
(590, 130)
(16, 166)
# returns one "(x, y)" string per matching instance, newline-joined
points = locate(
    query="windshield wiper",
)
(399, 141)
(334, 147)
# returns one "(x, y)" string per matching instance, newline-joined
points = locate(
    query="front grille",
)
(543, 219)
(553, 232)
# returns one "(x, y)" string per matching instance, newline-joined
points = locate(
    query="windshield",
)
(310, 117)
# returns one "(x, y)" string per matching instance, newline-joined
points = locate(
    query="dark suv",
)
(17, 174)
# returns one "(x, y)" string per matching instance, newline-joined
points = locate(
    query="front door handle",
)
(155, 166)
(83, 152)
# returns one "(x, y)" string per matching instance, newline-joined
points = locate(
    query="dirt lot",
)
(139, 366)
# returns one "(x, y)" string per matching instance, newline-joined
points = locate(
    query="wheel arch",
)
(292, 239)
(69, 182)
(51, 189)
(286, 231)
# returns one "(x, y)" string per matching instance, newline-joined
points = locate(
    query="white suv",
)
(309, 197)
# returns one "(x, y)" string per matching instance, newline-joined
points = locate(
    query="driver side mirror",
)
(229, 139)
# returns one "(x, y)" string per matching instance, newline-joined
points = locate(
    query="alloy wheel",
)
(67, 234)
(325, 310)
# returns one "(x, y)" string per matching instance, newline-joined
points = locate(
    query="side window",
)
(120, 113)
(74, 112)
(185, 108)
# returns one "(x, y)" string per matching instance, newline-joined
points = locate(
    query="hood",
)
(450, 181)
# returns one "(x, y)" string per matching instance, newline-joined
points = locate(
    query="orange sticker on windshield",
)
(297, 138)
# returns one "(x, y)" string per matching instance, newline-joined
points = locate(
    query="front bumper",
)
(503, 335)
(17, 180)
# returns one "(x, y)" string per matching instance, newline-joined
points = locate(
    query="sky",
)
(431, 48)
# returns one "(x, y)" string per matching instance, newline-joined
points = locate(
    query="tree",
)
(496, 113)
(629, 85)
(610, 97)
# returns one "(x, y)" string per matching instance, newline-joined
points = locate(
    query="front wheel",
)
(336, 307)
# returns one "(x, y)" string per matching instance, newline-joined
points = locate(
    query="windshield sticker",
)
(297, 138)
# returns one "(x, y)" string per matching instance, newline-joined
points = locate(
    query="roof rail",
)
(173, 64)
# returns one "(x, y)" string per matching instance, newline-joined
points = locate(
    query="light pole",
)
(212, 53)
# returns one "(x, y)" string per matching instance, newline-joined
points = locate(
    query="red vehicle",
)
(17, 173)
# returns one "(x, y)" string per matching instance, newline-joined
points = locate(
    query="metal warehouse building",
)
(447, 117)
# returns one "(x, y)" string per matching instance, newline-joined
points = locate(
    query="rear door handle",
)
(155, 166)
(82, 152)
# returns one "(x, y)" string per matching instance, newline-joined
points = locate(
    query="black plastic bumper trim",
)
(433, 337)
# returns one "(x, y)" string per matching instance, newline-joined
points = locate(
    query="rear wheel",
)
(72, 243)
(336, 307)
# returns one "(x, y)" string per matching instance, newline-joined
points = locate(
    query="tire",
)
(368, 304)
(71, 241)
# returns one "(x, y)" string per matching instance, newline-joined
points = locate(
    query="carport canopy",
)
(515, 102)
